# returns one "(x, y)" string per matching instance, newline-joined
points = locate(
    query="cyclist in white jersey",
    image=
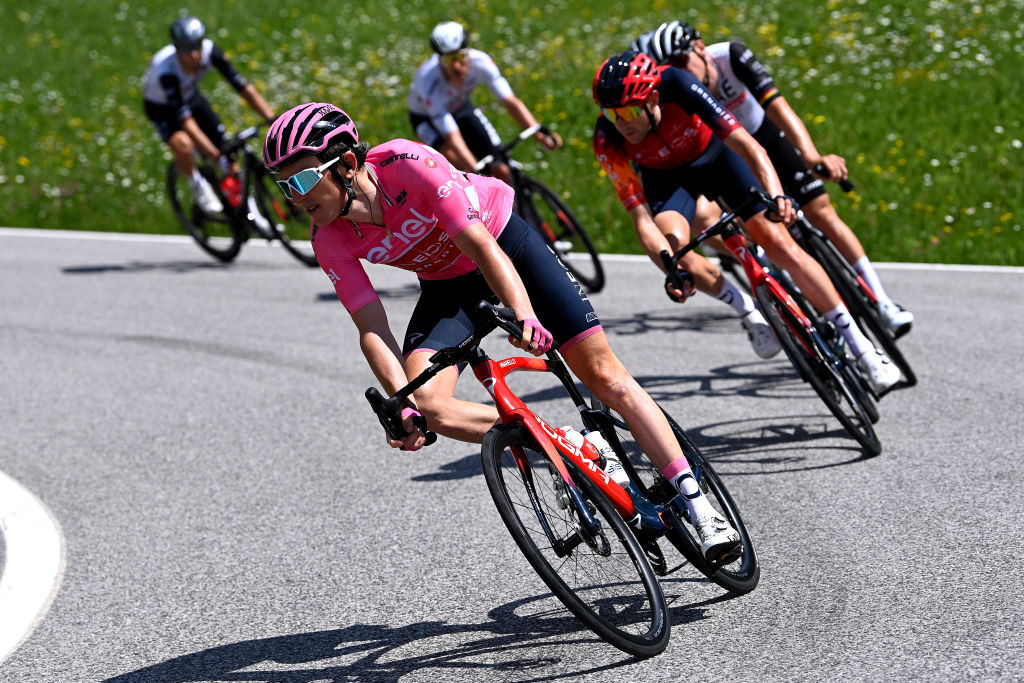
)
(732, 73)
(440, 109)
(179, 112)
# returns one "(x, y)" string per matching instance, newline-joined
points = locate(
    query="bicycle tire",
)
(826, 380)
(739, 576)
(549, 215)
(217, 235)
(291, 225)
(615, 593)
(863, 308)
(856, 381)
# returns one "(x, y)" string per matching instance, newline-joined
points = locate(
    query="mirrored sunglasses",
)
(623, 114)
(457, 56)
(305, 180)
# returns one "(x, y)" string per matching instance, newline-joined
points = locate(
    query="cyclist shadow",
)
(165, 266)
(519, 638)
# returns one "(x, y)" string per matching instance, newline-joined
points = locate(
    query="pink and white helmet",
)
(306, 130)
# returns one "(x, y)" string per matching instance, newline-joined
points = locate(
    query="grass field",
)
(922, 97)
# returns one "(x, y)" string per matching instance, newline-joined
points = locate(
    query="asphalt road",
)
(229, 511)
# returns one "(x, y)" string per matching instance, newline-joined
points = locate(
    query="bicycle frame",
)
(631, 506)
(756, 274)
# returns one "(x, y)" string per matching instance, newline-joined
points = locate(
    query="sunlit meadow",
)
(923, 98)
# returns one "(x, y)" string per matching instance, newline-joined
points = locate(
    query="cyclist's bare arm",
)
(476, 243)
(384, 357)
(744, 144)
(652, 240)
(457, 151)
(783, 116)
(522, 115)
(259, 105)
(208, 149)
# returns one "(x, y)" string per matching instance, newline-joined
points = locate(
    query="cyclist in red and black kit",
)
(663, 125)
(179, 112)
(733, 74)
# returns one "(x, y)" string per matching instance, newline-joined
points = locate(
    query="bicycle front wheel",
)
(739, 575)
(216, 234)
(606, 581)
(289, 223)
(827, 381)
(548, 214)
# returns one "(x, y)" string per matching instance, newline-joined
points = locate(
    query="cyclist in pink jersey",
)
(403, 204)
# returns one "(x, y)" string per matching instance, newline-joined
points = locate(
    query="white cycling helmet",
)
(448, 37)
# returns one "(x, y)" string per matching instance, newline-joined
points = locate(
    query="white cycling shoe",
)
(719, 540)
(761, 335)
(897, 318)
(880, 372)
(205, 197)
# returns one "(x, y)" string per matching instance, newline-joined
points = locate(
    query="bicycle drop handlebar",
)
(389, 410)
(844, 183)
(720, 227)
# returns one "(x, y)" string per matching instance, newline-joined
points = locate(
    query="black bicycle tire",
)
(648, 644)
(230, 250)
(855, 380)
(737, 579)
(794, 341)
(277, 209)
(862, 307)
(535, 191)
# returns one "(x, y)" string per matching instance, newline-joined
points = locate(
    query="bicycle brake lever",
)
(389, 414)
(844, 183)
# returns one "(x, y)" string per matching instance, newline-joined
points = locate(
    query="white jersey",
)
(431, 95)
(745, 93)
(167, 83)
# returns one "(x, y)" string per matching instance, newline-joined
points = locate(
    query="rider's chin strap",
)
(347, 184)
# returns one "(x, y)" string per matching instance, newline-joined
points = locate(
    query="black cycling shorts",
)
(798, 182)
(165, 119)
(446, 311)
(478, 132)
(717, 172)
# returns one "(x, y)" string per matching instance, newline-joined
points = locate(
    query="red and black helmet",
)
(624, 79)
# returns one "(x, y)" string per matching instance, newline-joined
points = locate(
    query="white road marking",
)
(33, 564)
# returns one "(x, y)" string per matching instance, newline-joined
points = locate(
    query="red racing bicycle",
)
(594, 543)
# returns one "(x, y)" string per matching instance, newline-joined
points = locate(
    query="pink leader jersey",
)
(427, 202)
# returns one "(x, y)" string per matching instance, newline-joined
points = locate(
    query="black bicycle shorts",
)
(798, 182)
(717, 172)
(165, 119)
(477, 130)
(446, 311)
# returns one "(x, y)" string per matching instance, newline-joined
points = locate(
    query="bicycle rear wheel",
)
(739, 576)
(291, 225)
(863, 307)
(808, 358)
(216, 234)
(545, 211)
(607, 581)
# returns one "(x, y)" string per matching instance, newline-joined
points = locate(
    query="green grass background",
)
(922, 97)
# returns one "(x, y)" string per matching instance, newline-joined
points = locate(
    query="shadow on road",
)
(519, 638)
(167, 266)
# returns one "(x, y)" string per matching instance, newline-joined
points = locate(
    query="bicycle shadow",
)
(407, 291)
(671, 321)
(518, 638)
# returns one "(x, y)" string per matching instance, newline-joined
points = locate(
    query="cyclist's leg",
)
(165, 120)
(443, 317)
(563, 307)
